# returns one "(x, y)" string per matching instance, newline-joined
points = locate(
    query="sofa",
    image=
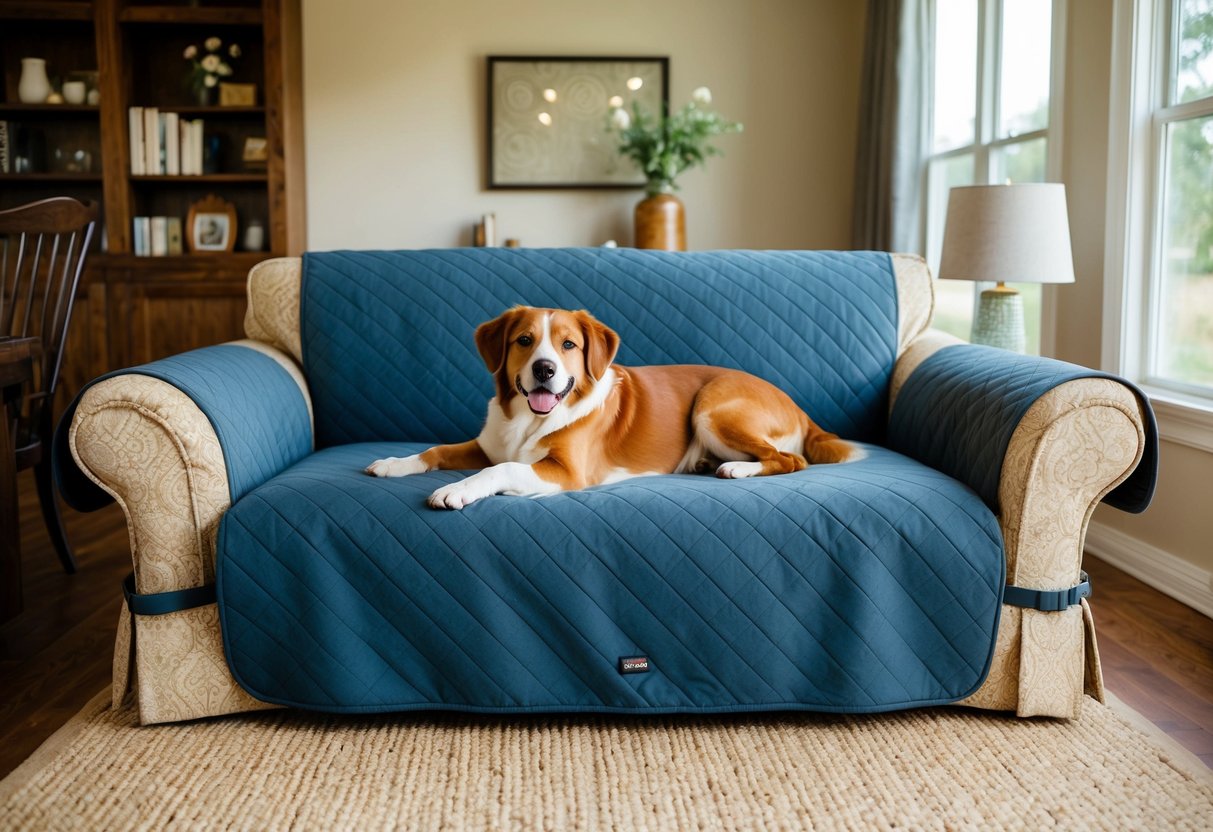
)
(270, 570)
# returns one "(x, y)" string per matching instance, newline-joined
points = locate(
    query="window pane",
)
(1183, 322)
(955, 73)
(1019, 162)
(1024, 90)
(953, 298)
(1194, 58)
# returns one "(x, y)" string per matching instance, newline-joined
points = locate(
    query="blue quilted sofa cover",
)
(862, 587)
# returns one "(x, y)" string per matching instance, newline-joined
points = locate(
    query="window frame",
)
(986, 140)
(1143, 51)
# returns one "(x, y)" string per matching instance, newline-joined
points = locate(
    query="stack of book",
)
(164, 143)
(158, 236)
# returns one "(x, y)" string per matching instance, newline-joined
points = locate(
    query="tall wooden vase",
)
(661, 222)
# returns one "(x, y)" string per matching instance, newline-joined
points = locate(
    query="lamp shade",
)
(1011, 233)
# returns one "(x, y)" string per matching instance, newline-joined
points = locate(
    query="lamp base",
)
(1000, 319)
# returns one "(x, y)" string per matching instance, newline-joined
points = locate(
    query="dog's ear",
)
(490, 338)
(601, 344)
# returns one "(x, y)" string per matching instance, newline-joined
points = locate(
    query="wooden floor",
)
(54, 657)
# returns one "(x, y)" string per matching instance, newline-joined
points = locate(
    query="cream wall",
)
(1180, 521)
(394, 108)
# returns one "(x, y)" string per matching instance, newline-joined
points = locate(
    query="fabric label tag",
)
(634, 664)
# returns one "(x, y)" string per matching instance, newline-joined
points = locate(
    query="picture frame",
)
(237, 95)
(210, 226)
(255, 153)
(548, 118)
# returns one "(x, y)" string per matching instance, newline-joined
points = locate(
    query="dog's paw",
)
(397, 466)
(739, 470)
(455, 496)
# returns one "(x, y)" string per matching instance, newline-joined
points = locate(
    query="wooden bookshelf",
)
(136, 309)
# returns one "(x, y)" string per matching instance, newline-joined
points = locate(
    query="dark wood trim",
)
(114, 83)
(43, 10)
(192, 15)
(289, 167)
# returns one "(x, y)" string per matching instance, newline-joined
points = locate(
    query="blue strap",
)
(159, 603)
(1047, 600)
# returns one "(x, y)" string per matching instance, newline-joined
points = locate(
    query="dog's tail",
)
(821, 447)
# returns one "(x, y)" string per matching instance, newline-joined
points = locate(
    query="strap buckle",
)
(1048, 600)
(161, 603)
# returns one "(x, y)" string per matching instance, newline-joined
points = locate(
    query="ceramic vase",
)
(34, 86)
(661, 221)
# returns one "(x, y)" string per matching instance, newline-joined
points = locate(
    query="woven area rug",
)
(936, 769)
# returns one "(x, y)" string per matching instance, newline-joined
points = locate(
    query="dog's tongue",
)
(541, 401)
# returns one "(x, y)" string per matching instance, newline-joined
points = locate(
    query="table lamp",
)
(1006, 234)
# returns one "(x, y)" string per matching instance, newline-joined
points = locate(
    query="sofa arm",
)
(958, 406)
(175, 442)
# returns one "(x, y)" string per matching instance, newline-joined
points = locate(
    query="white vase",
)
(34, 86)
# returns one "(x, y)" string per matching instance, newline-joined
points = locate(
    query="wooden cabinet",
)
(133, 309)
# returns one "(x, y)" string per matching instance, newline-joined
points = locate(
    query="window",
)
(1158, 295)
(1179, 348)
(991, 122)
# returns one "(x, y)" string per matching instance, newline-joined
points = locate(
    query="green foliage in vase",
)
(665, 146)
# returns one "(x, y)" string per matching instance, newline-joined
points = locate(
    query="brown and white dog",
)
(566, 417)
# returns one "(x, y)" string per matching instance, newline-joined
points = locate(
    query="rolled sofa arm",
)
(175, 443)
(1043, 442)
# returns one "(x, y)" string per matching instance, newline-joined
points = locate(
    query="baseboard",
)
(1173, 576)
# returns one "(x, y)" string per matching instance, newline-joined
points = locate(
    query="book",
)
(5, 165)
(184, 135)
(159, 229)
(137, 234)
(138, 154)
(172, 144)
(196, 145)
(175, 244)
(151, 141)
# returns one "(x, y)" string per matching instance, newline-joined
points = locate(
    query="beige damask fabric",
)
(1075, 444)
(181, 672)
(273, 304)
(915, 298)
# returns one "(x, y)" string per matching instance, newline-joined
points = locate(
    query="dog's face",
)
(548, 357)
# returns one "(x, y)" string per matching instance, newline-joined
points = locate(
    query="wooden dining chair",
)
(43, 246)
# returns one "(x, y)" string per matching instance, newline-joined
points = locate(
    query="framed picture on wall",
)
(549, 118)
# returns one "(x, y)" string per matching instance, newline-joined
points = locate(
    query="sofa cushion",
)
(387, 336)
(861, 587)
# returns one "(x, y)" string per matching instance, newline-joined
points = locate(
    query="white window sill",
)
(1187, 420)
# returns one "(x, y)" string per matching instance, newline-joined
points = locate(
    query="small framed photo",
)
(256, 153)
(237, 95)
(211, 225)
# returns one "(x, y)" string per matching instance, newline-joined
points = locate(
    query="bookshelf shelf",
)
(34, 178)
(9, 110)
(203, 179)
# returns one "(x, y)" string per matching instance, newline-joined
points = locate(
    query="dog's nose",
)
(543, 369)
